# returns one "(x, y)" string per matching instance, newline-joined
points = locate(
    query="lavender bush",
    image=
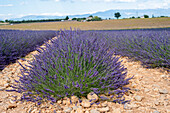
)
(15, 43)
(150, 46)
(75, 63)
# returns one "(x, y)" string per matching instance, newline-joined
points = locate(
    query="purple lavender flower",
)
(15, 44)
(77, 85)
(77, 62)
(66, 87)
(62, 77)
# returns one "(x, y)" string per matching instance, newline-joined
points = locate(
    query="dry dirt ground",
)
(149, 93)
(96, 25)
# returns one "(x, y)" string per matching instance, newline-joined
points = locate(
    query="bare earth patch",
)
(149, 93)
(95, 25)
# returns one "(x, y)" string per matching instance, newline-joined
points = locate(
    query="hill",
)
(125, 13)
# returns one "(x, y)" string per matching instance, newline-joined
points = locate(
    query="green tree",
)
(146, 16)
(1, 21)
(96, 18)
(117, 15)
(74, 19)
(6, 20)
(91, 16)
(66, 18)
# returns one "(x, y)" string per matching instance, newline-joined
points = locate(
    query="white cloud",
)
(5, 16)
(7, 5)
(129, 13)
(43, 14)
(166, 3)
(52, 14)
(23, 3)
(99, 0)
(154, 4)
(121, 0)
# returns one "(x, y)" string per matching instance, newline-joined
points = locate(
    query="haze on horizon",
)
(19, 8)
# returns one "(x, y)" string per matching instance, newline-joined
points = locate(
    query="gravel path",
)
(149, 93)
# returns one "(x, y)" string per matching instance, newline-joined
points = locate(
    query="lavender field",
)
(150, 46)
(84, 56)
(78, 62)
(81, 63)
(15, 44)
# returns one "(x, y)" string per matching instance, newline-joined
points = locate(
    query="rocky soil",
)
(149, 93)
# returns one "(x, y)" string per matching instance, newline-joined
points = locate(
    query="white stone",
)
(92, 96)
(130, 106)
(104, 104)
(105, 109)
(164, 76)
(163, 91)
(156, 103)
(79, 110)
(65, 102)
(85, 103)
(12, 102)
(138, 98)
(74, 99)
(67, 109)
(87, 112)
(7, 79)
(2, 88)
(94, 111)
(146, 90)
(134, 85)
(6, 85)
(75, 107)
(72, 111)
(156, 112)
(117, 110)
(59, 101)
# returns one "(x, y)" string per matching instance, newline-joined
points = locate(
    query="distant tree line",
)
(78, 19)
(30, 21)
(1, 21)
(95, 18)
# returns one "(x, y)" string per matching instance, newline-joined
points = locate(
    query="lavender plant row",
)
(151, 47)
(76, 63)
(15, 43)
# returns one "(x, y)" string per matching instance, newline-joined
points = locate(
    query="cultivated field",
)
(81, 65)
(97, 25)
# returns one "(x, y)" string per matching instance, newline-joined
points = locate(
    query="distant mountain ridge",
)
(125, 13)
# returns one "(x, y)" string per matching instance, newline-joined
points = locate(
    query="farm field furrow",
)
(91, 65)
(15, 44)
(151, 85)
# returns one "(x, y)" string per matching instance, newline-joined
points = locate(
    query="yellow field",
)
(96, 25)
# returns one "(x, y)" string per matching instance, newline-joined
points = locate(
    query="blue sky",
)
(19, 8)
